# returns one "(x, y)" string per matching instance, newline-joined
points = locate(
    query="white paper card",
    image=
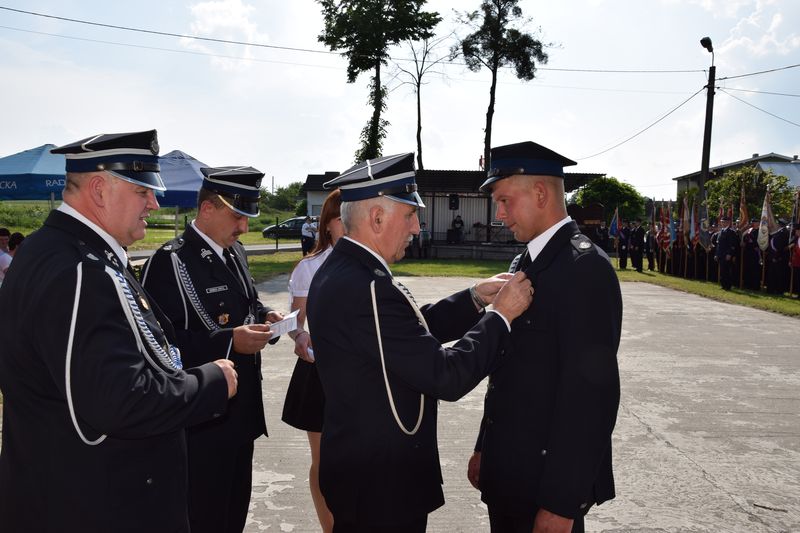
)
(289, 323)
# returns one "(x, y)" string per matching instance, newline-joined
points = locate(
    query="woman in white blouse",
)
(305, 402)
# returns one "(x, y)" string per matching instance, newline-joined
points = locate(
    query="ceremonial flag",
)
(768, 224)
(795, 210)
(694, 230)
(613, 228)
(671, 221)
(744, 218)
(653, 216)
(685, 222)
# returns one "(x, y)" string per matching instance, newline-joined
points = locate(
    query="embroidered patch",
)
(212, 290)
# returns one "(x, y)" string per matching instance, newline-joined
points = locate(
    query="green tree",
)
(611, 194)
(496, 43)
(283, 199)
(727, 189)
(364, 30)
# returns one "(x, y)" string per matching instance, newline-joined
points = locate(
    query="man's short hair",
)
(354, 212)
(204, 195)
(4, 232)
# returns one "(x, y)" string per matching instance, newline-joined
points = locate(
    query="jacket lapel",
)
(215, 266)
(371, 262)
(550, 250)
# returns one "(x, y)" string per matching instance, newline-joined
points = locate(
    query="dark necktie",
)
(524, 261)
(233, 266)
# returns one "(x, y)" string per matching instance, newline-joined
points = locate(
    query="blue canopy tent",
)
(182, 176)
(34, 174)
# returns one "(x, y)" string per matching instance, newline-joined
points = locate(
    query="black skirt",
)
(304, 401)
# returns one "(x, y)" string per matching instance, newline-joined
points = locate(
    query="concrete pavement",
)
(707, 437)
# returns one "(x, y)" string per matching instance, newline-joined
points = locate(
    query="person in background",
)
(458, 227)
(623, 244)
(307, 235)
(794, 250)
(601, 236)
(751, 257)
(305, 402)
(5, 235)
(727, 253)
(202, 282)
(95, 395)
(424, 241)
(543, 453)
(5, 255)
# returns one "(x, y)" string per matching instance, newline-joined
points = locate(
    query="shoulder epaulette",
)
(581, 243)
(174, 245)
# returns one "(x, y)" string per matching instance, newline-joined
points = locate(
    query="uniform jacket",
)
(371, 472)
(551, 407)
(637, 237)
(727, 244)
(205, 330)
(50, 479)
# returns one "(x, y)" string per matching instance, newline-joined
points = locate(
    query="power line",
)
(643, 130)
(762, 110)
(309, 50)
(761, 92)
(168, 34)
(760, 72)
(173, 50)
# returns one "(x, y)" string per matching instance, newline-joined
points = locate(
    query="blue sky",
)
(292, 113)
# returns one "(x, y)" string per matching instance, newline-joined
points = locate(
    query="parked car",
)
(289, 228)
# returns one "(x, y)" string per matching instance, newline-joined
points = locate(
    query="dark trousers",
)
(623, 259)
(504, 523)
(650, 259)
(219, 487)
(726, 273)
(416, 526)
(307, 244)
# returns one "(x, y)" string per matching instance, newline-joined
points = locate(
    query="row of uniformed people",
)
(735, 259)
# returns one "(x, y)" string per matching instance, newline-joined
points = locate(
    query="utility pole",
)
(705, 236)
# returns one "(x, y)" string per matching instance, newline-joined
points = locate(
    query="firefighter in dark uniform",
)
(727, 253)
(202, 282)
(751, 257)
(96, 396)
(380, 359)
(543, 455)
(778, 256)
(637, 244)
(623, 244)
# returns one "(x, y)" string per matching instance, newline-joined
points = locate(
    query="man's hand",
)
(302, 342)
(250, 338)
(230, 375)
(274, 316)
(488, 288)
(474, 469)
(515, 297)
(547, 522)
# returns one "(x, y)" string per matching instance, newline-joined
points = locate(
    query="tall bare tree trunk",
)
(487, 140)
(419, 126)
(375, 122)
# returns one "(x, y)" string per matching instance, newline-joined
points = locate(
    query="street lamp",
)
(712, 72)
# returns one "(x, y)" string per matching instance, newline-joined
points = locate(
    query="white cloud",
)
(229, 20)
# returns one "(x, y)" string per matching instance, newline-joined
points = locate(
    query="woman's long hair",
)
(330, 210)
